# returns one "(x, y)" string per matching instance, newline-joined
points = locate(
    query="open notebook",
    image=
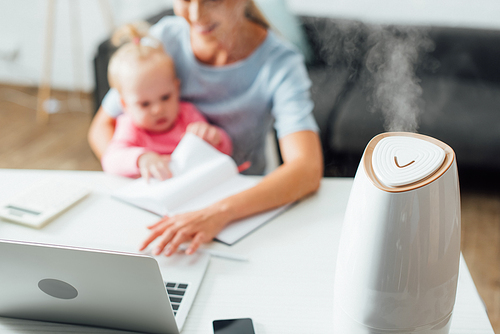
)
(201, 176)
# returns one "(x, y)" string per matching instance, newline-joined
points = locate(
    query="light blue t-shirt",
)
(245, 98)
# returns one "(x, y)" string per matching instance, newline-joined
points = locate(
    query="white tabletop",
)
(285, 287)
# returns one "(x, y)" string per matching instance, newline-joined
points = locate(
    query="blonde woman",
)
(244, 79)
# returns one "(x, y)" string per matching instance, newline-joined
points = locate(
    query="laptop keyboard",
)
(176, 292)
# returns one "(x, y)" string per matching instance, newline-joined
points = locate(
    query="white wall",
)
(22, 31)
(466, 13)
(22, 28)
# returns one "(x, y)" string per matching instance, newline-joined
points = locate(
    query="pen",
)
(216, 253)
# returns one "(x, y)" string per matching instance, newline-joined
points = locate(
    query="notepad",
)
(201, 176)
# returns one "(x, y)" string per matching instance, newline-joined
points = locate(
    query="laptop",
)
(91, 287)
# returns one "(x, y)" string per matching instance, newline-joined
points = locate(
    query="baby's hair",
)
(130, 32)
(135, 45)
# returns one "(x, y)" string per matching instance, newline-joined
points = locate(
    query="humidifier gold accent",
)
(397, 163)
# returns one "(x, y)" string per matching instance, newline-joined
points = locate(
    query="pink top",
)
(130, 142)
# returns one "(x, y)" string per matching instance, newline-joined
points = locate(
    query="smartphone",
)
(233, 326)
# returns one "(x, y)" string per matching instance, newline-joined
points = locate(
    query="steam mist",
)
(392, 62)
(386, 60)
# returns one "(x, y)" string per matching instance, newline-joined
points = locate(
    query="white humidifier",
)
(397, 266)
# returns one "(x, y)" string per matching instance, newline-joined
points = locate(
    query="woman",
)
(243, 78)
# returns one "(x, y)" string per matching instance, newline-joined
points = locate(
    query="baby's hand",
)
(205, 131)
(152, 164)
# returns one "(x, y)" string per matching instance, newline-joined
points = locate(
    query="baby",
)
(154, 118)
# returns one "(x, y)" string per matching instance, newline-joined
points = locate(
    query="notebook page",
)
(165, 197)
(197, 167)
(233, 185)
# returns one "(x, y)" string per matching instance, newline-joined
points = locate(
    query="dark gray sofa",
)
(458, 72)
(457, 69)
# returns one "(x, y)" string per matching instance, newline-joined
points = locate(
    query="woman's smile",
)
(204, 28)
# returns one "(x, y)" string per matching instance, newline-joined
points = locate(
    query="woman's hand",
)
(198, 226)
(205, 131)
(155, 165)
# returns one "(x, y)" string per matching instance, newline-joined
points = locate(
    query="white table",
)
(286, 287)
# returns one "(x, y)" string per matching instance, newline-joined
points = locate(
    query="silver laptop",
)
(98, 288)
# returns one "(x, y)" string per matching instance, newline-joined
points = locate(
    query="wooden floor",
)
(481, 239)
(62, 144)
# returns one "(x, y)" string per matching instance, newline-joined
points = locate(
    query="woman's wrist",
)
(224, 210)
